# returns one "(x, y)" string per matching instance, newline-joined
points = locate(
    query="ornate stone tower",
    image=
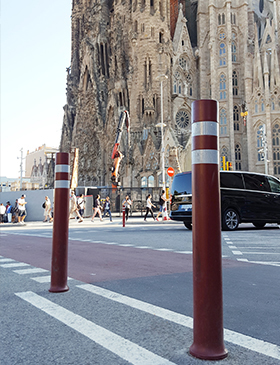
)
(227, 50)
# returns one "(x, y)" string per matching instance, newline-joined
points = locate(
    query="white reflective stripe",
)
(205, 128)
(205, 156)
(60, 184)
(62, 168)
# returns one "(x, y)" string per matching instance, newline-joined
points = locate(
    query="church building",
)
(153, 58)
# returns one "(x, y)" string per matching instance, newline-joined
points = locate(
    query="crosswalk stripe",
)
(236, 338)
(124, 348)
(14, 264)
(30, 271)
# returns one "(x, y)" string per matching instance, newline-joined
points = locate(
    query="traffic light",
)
(223, 163)
(229, 166)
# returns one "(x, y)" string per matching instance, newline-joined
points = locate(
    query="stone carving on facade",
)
(118, 51)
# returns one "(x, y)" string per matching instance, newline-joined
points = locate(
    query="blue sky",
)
(35, 51)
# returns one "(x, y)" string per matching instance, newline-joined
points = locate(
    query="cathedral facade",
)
(153, 58)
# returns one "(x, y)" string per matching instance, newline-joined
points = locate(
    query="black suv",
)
(245, 197)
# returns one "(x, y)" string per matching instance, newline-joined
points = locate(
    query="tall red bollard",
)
(123, 216)
(208, 336)
(60, 224)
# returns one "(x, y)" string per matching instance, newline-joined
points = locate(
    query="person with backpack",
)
(162, 201)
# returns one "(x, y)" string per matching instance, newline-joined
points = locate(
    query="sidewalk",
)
(117, 221)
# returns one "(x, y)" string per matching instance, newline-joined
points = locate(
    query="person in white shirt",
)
(47, 211)
(2, 213)
(149, 206)
(73, 206)
(22, 209)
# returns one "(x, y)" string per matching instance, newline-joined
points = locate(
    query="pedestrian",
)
(22, 210)
(15, 212)
(81, 205)
(162, 201)
(106, 208)
(47, 210)
(9, 212)
(96, 208)
(127, 203)
(73, 206)
(2, 213)
(149, 206)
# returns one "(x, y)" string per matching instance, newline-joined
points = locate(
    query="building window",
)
(224, 152)
(260, 142)
(222, 54)
(222, 87)
(223, 122)
(256, 106)
(233, 52)
(236, 118)
(237, 157)
(180, 88)
(144, 182)
(233, 18)
(262, 105)
(175, 87)
(276, 148)
(234, 84)
(272, 104)
(183, 63)
(151, 181)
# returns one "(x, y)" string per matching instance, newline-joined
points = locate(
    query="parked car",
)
(246, 197)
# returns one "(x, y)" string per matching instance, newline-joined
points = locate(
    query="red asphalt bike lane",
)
(92, 262)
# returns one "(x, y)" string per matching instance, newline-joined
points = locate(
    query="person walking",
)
(47, 210)
(96, 208)
(107, 208)
(81, 205)
(127, 203)
(73, 206)
(15, 212)
(22, 210)
(162, 201)
(9, 212)
(149, 206)
(2, 213)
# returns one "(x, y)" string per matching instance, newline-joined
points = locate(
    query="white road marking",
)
(6, 260)
(266, 263)
(125, 349)
(185, 252)
(45, 279)
(30, 271)
(15, 264)
(239, 339)
(237, 252)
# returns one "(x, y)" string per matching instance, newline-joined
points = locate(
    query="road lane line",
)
(124, 348)
(30, 271)
(239, 339)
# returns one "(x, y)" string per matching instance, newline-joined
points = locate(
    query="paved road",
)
(130, 297)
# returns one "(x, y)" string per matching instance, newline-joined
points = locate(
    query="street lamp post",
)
(162, 125)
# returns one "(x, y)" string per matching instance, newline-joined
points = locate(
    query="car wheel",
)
(188, 225)
(259, 224)
(230, 220)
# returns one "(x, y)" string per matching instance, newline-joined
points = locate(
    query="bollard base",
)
(201, 352)
(58, 289)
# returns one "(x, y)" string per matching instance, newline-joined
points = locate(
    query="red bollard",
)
(208, 333)
(60, 224)
(123, 216)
